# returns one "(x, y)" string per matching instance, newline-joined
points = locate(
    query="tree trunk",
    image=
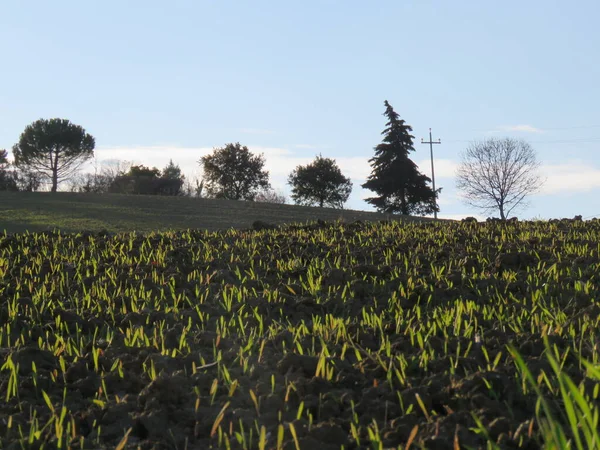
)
(502, 216)
(55, 171)
(403, 205)
(54, 181)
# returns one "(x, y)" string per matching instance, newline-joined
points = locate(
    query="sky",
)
(154, 80)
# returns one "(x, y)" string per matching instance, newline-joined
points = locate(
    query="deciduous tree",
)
(143, 180)
(27, 180)
(270, 196)
(320, 183)
(233, 172)
(138, 180)
(498, 174)
(102, 179)
(4, 163)
(7, 177)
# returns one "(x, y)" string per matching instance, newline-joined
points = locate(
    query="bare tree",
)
(497, 174)
(270, 196)
(114, 168)
(194, 186)
(104, 176)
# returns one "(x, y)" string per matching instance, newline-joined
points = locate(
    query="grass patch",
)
(72, 212)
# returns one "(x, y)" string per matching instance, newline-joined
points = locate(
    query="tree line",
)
(52, 151)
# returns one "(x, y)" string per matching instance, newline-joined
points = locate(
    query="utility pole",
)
(431, 142)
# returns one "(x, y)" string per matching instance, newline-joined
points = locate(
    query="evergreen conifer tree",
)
(401, 188)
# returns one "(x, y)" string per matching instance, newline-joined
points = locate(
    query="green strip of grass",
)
(72, 212)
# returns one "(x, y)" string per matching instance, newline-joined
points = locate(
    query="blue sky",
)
(154, 80)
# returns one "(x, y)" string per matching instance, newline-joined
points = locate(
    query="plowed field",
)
(323, 336)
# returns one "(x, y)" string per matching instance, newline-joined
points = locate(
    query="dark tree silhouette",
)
(139, 179)
(55, 148)
(27, 180)
(4, 163)
(172, 180)
(8, 180)
(498, 174)
(270, 196)
(320, 183)
(143, 171)
(143, 180)
(394, 176)
(233, 172)
(172, 171)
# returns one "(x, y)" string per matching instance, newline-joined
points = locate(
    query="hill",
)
(71, 212)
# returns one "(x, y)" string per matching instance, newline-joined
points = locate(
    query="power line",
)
(576, 127)
(579, 127)
(431, 142)
(568, 141)
(547, 141)
(557, 141)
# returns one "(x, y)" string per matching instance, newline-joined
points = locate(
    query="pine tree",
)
(401, 188)
(172, 171)
(54, 148)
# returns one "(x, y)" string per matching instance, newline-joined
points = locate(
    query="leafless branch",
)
(498, 174)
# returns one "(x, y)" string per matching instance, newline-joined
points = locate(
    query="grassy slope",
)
(72, 212)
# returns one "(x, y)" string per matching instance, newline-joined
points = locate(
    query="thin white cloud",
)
(355, 167)
(256, 131)
(444, 168)
(520, 128)
(280, 162)
(269, 151)
(307, 146)
(159, 155)
(571, 177)
(153, 156)
(447, 199)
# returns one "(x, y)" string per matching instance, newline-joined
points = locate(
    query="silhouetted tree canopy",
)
(401, 188)
(320, 183)
(27, 180)
(172, 180)
(233, 172)
(172, 171)
(55, 148)
(143, 180)
(22, 180)
(143, 171)
(8, 180)
(4, 163)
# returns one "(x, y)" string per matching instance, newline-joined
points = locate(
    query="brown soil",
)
(340, 332)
